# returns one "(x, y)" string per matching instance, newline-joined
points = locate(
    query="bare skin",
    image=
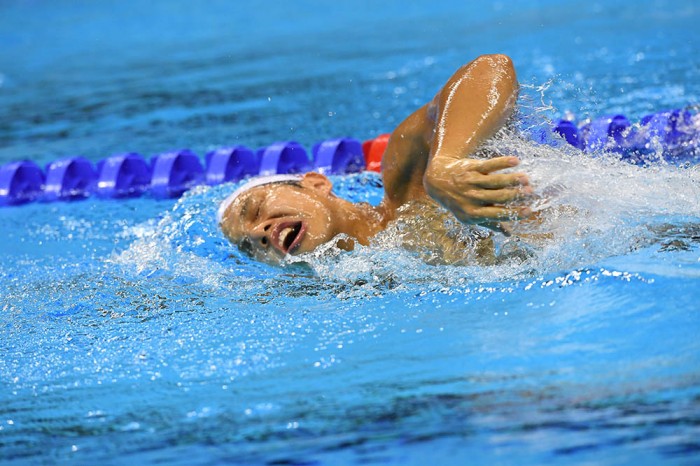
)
(428, 157)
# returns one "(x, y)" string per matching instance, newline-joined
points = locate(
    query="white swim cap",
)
(254, 183)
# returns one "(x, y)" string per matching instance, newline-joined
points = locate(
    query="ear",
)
(318, 182)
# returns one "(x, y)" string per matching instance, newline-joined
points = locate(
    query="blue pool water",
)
(131, 332)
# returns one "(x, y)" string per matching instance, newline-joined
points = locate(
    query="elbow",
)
(498, 60)
(499, 63)
(502, 71)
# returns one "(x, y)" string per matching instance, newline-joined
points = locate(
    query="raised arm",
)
(469, 109)
(430, 152)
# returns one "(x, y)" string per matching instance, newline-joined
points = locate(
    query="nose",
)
(260, 234)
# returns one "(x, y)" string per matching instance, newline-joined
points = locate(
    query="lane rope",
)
(673, 133)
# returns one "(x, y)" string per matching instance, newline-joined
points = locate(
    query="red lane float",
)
(374, 152)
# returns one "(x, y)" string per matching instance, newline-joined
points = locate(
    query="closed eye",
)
(251, 212)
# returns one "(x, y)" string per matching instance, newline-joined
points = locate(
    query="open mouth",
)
(287, 236)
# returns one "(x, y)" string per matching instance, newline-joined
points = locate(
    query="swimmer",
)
(429, 158)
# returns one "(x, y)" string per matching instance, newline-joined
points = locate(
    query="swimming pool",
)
(131, 332)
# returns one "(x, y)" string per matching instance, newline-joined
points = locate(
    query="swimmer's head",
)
(269, 218)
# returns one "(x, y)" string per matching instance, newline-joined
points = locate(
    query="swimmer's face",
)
(270, 221)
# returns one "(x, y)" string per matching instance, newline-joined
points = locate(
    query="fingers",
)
(501, 180)
(497, 181)
(495, 164)
(491, 181)
(478, 173)
(477, 194)
(499, 196)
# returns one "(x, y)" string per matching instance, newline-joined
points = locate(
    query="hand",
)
(471, 190)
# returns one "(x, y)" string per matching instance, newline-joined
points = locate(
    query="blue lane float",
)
(673, 135)
(123, 175)
(20, 182)
(174, 173)
(602, 132)
(69, 179)
(338, 156)
(231, 164)
(569, 131)
(670, 127)
(283, 157)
